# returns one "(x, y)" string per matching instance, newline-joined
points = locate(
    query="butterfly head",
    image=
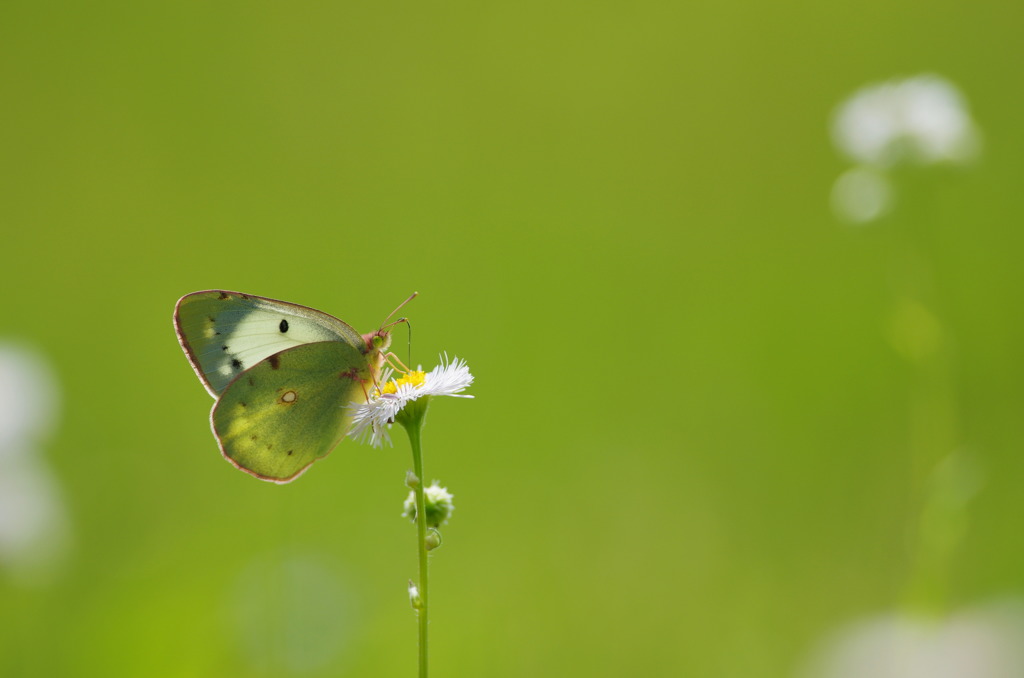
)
(381, 339)
(378, 341)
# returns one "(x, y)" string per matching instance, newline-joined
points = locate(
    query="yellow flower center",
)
(415, 378)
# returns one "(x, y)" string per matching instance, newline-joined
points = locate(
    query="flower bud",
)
(439, 505)
(414, 596)
(433, 539)
(411, 481)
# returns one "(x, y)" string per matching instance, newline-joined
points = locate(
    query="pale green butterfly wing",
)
(284, 413)
(224, 333)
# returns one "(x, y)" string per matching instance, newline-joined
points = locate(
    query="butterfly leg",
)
(392, 359)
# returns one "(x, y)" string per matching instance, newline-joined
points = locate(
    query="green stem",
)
(421, 540)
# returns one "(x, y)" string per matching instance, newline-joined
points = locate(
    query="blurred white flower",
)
(982, 643)
(920, 120)
(33, 521)
(28, 397)
(861, 194)
(923, 119)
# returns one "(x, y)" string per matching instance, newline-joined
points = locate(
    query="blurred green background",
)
(699, 441)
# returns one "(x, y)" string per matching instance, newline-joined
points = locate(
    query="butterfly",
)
(284, 377)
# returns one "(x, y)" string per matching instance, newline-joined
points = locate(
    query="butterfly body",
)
(284, 376)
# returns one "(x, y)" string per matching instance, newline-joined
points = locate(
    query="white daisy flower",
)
(371, 420)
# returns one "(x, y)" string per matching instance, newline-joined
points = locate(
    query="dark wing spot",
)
(275, 361)
(211, 318)
(236, 363)
(283, 326)
(242, 404)
(290, 452)
(251, 382)
(224, 295)
(223, 348)
(253, 437)
(350, 373)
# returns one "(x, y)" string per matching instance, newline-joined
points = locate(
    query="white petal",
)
(371, 420)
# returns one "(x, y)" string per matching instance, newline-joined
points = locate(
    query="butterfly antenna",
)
(393, 323)
(409, 325)
(385, 325)
(393, 359)
(411, 297)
